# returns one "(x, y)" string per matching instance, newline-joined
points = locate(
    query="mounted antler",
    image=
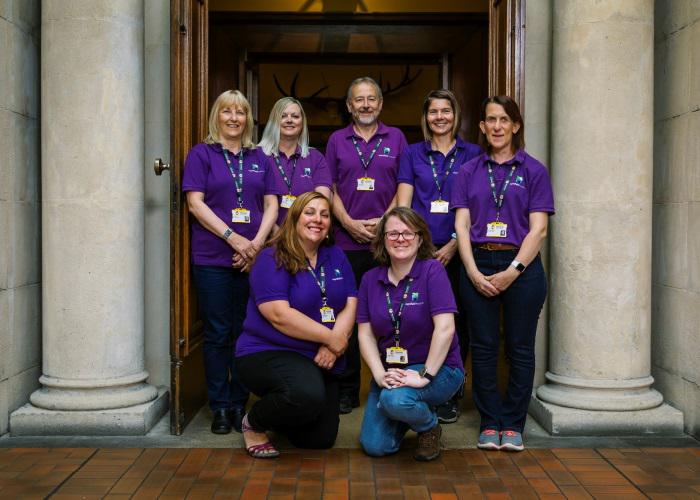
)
(406, 80)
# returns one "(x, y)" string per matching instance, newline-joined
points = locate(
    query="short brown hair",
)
(412, 219)
(456, 110)
(289, 253)
(513, 111)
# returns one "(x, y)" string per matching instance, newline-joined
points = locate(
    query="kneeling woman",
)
(407, 338)
(300, 313)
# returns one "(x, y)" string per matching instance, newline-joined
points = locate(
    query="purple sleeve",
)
(331, 158)
(458, 197)
(405, 174)
(540, 190)
(443, 302)
(362, 301)
(268, 282)
(194, 178)
(322, 174)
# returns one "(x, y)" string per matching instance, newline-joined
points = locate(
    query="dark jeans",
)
(297, 398)
(222, 295)
(454, 268)
(361, 261)
(522, 303)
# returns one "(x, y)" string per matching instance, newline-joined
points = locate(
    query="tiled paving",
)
(348, 473)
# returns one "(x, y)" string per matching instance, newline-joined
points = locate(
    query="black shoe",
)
(235, 416)
(347, 403)
(221, 423)
(448, 412)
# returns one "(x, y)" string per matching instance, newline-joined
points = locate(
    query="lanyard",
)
(320, 281)
(286, 179)
(365, 164)
(499, 198)
(396, 320)
(447, 174)
(237, 179)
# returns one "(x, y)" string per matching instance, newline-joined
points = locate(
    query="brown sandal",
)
(264, 450)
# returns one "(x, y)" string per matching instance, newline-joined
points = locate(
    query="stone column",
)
(92, 127)
(600, 302)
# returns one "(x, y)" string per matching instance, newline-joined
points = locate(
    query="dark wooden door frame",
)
(189, 102)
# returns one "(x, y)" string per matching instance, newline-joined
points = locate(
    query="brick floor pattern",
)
(59, 473)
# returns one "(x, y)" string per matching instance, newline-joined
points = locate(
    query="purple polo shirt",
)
(415, 170)
(269, 282)
(305, 174)
(346, 167)
(206, 171)
(530, 191)
(417, 318)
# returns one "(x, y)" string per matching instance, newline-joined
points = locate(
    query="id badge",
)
(327, 315)
(287, 200)
(439, 207)
(496, 230)
(397, 355)
(240, 215)
(365, 184)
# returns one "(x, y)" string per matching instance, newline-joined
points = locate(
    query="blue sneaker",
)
(489, 440)
(512, 441)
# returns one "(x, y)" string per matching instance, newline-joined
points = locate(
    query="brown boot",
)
(428, 444)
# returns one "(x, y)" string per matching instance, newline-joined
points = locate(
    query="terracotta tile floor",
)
(348, 473)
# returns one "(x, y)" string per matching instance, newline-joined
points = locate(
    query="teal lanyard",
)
(498, 199)
(396, 319)
(447, 174)
(320, 281)
(365, 164)
(286, 179)
(237, 179)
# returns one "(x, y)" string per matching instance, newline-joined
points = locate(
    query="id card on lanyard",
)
(327, 312)
(239, 215)
(497, 228)
(441, 206)
(365, 183)
(287, 199)
(397, 354)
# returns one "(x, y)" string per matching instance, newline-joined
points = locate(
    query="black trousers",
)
(453, 269)
(297, 398)
(361, 261)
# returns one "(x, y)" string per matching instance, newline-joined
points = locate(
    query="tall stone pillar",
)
(92, 127)
(600, 302)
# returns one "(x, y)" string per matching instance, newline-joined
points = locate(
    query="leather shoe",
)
(221, 423)
(235, 416)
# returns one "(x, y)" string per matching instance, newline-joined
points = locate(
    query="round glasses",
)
(394, 235)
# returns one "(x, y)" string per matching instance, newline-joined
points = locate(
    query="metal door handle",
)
(159, 166)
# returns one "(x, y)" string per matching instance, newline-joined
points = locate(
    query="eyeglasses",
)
(394, 235)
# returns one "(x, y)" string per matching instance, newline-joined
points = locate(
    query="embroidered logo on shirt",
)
(307, 172)
(519, 181)
(387, 150)
(337, 275)
(255, 167)
(414, 296)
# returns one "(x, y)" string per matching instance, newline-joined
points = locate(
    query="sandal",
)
(264, 450)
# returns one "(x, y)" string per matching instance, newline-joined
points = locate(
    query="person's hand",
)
(239, 244)
(358, 230)
(503, 279)
(483, 285)
(446, 252)
(238, 261)
(406, 378)
(381, 380)
(337, 342)
(325, 358)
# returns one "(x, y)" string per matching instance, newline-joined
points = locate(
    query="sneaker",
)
(347, 403)
(428, 444)
(448, 412)
(512, 441)
(489, 440)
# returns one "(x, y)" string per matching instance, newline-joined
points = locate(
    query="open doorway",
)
(313, 49)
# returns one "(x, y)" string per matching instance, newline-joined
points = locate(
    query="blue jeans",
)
(522, 303)
(222, 296)
(389, 413)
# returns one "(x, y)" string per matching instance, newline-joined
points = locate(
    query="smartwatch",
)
(423, 372)
(518, 266)
(227, 233)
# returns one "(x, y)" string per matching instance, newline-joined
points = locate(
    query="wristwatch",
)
(227, 233)
(519, 266)
(423, 372)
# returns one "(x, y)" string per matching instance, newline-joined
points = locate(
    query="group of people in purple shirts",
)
(442, 237)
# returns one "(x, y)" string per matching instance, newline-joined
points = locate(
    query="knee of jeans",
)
(395, 402)
(373, 447)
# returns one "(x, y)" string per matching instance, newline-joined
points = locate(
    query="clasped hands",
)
(394, 378)
(244, 253)
(362, 230)
(329, 352)
(494, 284)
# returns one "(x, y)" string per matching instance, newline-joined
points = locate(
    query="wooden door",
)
(189, 109)
(507, 49)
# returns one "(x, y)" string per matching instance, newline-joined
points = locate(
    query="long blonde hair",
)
(230, 99)
(289, 253)
(270, 142)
